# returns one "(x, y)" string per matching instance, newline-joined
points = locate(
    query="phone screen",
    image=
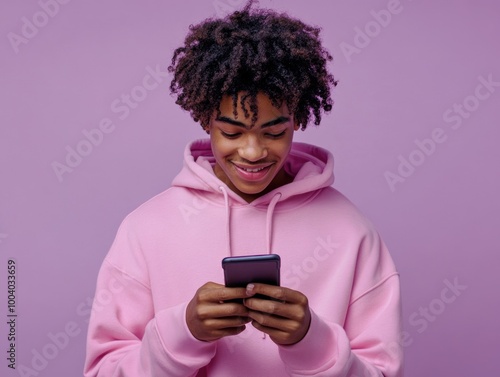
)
(241, 270)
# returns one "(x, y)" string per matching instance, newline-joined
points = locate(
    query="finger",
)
(221, 310)
(226, 323)
(278, 336)
(270, 307)
(293, 312)
(226, 294)
(217, 293)
(215, 334)
(272, 322)
(282, 294)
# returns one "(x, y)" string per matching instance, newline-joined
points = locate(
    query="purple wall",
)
(415, 133)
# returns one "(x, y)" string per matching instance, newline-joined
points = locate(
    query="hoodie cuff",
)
(178, 341)
(320, 349)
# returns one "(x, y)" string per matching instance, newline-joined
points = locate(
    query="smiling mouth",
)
(251, 173)
(253, 169)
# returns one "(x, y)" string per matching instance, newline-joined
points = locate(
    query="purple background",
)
(440, 221)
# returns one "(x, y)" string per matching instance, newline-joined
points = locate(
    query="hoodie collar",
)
(311, 166)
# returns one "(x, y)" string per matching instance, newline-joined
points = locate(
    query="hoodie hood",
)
(311, 167)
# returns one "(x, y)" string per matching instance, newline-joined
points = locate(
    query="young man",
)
(251, 80)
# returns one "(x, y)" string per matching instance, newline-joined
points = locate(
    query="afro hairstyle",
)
(252, 51)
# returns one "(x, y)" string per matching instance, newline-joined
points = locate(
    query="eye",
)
(276, 136)
(230, 135)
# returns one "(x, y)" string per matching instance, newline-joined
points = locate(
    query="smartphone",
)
(239, 271)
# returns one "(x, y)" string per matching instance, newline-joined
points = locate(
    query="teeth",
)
(253, 170)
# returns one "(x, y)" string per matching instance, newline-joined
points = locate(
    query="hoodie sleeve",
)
(368, 343)
(126, 338)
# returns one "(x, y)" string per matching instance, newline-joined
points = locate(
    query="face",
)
(250, 159)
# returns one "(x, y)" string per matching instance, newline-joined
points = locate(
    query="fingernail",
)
(250, 288)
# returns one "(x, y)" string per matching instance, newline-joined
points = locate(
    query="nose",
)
(252, 149)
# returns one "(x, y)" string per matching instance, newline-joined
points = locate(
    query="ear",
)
(296, 126)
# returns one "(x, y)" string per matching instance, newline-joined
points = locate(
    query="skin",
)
(236, 142)
(210, 317)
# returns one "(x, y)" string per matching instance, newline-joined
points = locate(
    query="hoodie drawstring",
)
(228, 221)
(269, 220)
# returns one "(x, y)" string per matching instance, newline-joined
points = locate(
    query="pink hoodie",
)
(174, 243)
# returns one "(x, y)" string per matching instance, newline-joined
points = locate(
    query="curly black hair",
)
(251, 51)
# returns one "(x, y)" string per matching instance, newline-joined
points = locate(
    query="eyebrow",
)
(279, 120)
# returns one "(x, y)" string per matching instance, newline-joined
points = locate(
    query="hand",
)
(210, 317)
(286, 319)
